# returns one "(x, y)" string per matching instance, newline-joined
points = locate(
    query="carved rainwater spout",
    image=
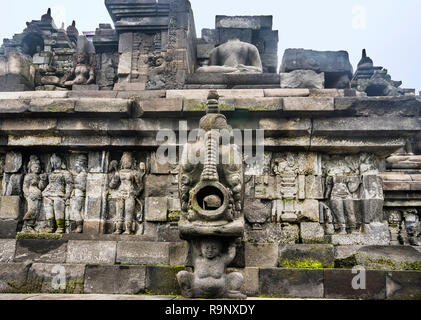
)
(211, 193)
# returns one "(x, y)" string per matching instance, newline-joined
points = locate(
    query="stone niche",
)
(256, 30)
(156, 43)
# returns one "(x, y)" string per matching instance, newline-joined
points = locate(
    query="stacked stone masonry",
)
(82, 188)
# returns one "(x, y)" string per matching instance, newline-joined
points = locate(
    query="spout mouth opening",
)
(211, 201)
(210, 198)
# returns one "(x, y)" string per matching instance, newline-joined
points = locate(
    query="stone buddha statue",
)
(234, 56)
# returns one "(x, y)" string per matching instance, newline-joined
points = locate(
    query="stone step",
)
(134, 251)
(161, 280)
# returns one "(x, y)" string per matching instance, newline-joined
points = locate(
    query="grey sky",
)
(388, 29)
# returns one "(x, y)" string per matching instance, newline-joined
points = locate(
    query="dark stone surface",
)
(318, 61)
(46, 278)
(49, 251)
(294, 283)
(234, 79)
(310, 255)
(403, 285)
(8, 229)
(338, 285)
(162, 280)
(13, 277)
(115, 279)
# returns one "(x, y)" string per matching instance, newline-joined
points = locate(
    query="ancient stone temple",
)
(144, 159)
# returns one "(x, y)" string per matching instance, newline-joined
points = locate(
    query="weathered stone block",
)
(48, 251)
(403, 285)
(312, 232)
(162, 167)
(257, 211)
(308, 104)
(115, 279)
(8, 229)
(314, 187)
(251, 281)
(160, 106)
(378, 257)
(143, 253)
(289, 283)
(13, 277)
(287, 92)
(7, 250)
(56, 278)
(179, 253)
(241, 22)
(120, 107)
(303, 79)
(302, 256)
(346, 284)
(378, 234)
(261, 254)
(163, 280)
(156, 209)
(44, 105)
(226, 34)
(161, 186)
(13, 106)
(103, 252)
(319, 61)
(10, 207)
(310, 210)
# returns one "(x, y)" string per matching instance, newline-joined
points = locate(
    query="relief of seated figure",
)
(83, 73)
(209, 279)
(234, 56)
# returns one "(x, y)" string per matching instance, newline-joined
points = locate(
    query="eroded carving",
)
(13, 177)
(234, 56)
(57, 195)
(83, 72)
(210, 279)
(211, 192)
(78, 197)
(126, 185)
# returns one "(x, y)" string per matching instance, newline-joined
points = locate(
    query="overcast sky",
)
(390, 30)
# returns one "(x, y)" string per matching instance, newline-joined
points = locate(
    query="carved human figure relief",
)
(342, 185)
(83, 73)
(127, 185)
(209, 279)
(33, 185)
(77, 199)
(211, 188)
(57, 195)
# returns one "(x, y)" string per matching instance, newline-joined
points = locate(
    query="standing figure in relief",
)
(33, 184)
(342, 186)
(57, 195)
(127, 183)
(77, 200)
(371, 191)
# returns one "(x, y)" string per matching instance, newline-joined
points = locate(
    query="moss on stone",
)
(303, 264)
(38, 236)
(174, 216)
(194, 105)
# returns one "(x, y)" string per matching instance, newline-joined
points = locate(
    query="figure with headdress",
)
(33, 185)
(57, 195)
(127, 184)
(77, 199)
